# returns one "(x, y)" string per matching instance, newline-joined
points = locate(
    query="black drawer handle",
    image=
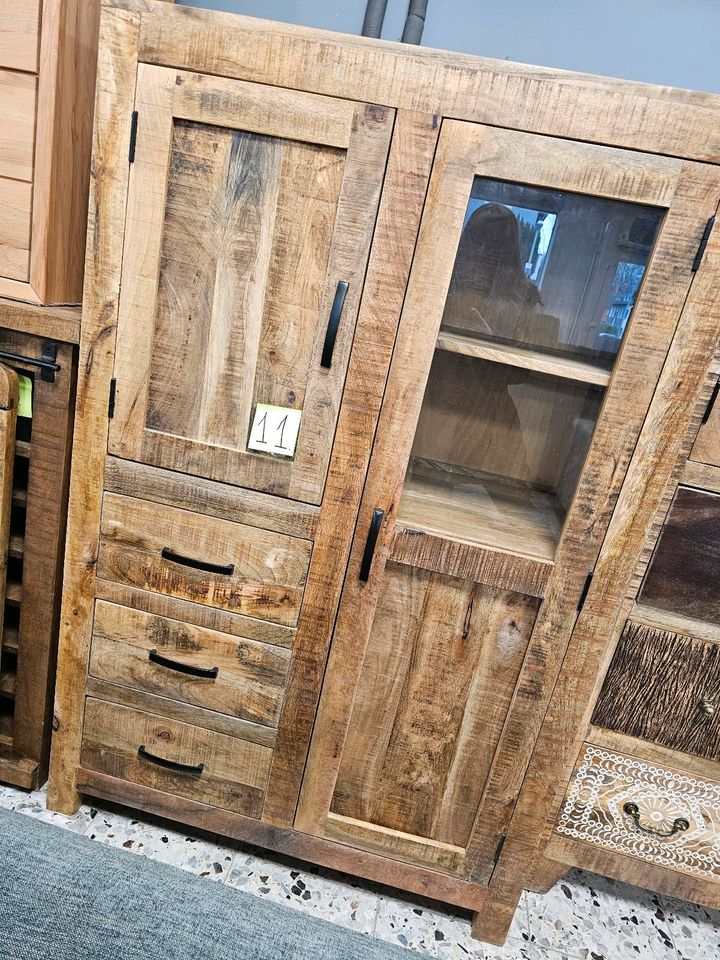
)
(372, 536)
(224, 568)
(208, 673)
(333, 323)
(679, 825)
(190, 769)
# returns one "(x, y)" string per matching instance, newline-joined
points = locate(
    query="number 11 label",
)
(274, 430)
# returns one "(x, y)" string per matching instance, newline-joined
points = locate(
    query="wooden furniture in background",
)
(39, 460)
(302, 236)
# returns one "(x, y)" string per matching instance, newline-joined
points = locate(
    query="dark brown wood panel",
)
(661, 686)
(685, 569)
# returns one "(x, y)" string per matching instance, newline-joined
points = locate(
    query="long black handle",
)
(190, 769)
(372, 536)
(225, 568)
(333, 323)
(208, 673)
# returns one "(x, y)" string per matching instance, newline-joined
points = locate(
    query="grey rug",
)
(64, 897)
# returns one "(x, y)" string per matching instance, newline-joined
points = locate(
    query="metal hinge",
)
(703, 243)
(133, 136)
(711, 402)
(584, 593)
(499, 849)
(111, 399)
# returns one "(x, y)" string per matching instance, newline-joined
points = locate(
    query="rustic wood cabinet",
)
(370, 340)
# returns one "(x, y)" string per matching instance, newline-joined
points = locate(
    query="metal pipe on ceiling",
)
(374, 17)
(415, 22)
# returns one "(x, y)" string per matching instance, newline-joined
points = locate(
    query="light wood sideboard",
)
(377, 346)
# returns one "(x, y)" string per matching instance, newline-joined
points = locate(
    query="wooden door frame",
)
(689, 193)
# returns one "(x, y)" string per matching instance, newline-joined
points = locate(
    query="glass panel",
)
(542, 289)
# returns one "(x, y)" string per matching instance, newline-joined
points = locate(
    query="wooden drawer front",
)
(265, 571)
(19, 34)
(664, 687)
(250, 679)
(17, 124)
(234, 772)
(604, 783)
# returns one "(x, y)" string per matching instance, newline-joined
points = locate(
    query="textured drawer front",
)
(19, 34)
(234, 772)
(664, 687)
(605, 782)
(151, 653)
(257, 572)
(17, 124)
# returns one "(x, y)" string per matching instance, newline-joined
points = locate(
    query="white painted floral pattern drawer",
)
(642, 810)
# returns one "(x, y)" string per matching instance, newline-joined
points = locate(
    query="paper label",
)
(24, 396)
(274, 430)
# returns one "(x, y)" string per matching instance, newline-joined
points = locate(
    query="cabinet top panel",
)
(657, 119)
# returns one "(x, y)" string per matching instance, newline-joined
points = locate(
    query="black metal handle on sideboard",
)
(207, 673)
(192, 770)
(333, 323)
(370, 543)
(226, 569)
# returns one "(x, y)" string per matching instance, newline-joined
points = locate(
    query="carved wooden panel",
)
(605, 782)
(685, 569)
(664, 687)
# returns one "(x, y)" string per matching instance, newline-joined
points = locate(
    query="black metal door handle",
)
(190, 769)
(679, 824)
(226, 569)
(208, 673)
(372, 536)
(333, 323)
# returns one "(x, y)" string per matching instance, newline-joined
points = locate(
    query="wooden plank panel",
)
(250, 680)
(234, 771)
(15, 207)
(655, 688)
(18, 93)
(20, 34)
(268, 569)
(55, 323)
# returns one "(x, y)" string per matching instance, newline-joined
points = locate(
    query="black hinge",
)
(703, 243)
(133, 136)
(711, 402)
(583, 595)
(499, 849)
(111, 399)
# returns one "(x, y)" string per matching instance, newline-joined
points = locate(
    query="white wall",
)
(675, 42)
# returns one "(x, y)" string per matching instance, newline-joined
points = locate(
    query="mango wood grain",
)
(266, 570)
(405, 184)
(15, 212)
(19, 33)
(55, 323)
(114, 102)
(210, 498)
(234, 771)
(653, 753)
(706, 448)
(536, 99)
(18, 93)
(250, 680)
(705, 476)
(669, 620)
(597, 629)
(336, 856)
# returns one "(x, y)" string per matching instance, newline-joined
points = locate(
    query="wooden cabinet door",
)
(250, 214)
(546, 286)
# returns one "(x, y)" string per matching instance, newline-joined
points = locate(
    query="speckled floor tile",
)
(600, 919)
(695, 930)
(327, 896)
(34, 804)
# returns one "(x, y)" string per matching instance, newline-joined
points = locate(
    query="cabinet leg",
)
(545, 874)
(492, 922)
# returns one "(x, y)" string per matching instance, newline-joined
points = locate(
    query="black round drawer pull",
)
(188, 768)
(679, 825)
(206, 673)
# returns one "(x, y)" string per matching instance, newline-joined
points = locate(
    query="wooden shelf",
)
(22, 448)
(19, 497)
(10, 639)
(16, 547)
(483, 511)
(7, 685)
(564, 367)
(13, 593)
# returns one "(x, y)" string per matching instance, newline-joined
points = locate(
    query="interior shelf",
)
(10, 639)
(13, 593)
(22, 448)
(16, 547)
(565, 367)
(7, 684)
(481, 510)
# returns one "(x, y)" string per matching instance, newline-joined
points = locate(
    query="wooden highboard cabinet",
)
(367, 349)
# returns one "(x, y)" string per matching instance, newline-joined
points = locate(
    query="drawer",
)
(644, 811)
(19, 34)
(664, 687)
(181, 661)
(224, 564)
(685, 568)
(15, 210)
(177, 758)
(17, 124)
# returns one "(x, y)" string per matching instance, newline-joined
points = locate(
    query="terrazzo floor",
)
(584, 916)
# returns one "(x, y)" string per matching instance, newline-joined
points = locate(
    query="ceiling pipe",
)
(415, 22)
(374, 16)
